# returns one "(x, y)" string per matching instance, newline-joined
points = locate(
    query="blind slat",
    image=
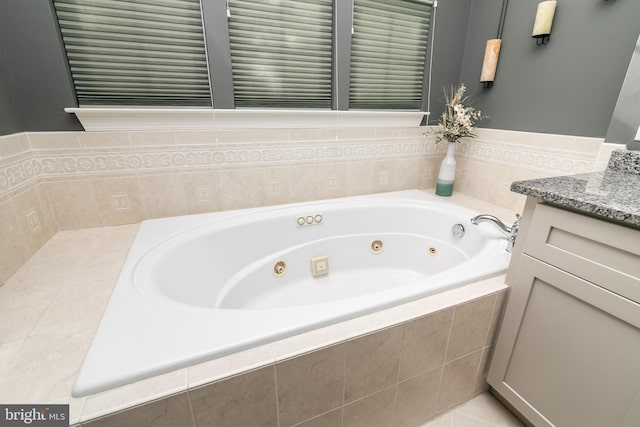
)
(135, 52)
(281, 53)
(388, 53)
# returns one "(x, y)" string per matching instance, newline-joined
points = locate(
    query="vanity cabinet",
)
(568, 351)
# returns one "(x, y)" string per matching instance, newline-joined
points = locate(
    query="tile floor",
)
(481, 411)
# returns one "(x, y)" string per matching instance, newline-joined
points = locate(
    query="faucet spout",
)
(509, 232)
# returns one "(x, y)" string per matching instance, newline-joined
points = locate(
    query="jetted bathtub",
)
(198, 287)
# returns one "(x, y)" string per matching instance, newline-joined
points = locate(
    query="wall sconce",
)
(544, 19)
(492, 53)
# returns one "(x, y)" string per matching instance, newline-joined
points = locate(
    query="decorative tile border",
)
(82, 162)
(553, 161)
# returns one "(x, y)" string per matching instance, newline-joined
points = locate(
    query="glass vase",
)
(447, 173)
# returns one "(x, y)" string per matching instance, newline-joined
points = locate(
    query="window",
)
(351, 54)
(281, 52)
(388, 51)
(135, 52)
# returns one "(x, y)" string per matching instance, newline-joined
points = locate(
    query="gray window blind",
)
(135, 52)
(281, 52)
(388, 50)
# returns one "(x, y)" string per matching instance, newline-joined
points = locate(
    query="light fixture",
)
(492, 52)
(544, 19)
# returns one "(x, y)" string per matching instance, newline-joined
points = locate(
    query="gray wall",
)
(452, 18)
(569, 86)
(35, 66)
(9, 117)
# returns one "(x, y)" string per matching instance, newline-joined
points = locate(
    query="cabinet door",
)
(568, 353)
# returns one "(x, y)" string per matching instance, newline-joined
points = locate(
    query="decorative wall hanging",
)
(492, 52)
(544, 19)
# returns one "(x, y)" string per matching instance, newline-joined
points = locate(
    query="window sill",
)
(150, 119)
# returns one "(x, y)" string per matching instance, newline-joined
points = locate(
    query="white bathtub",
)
(198, 287)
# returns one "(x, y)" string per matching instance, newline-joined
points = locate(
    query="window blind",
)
(388, 50)
(281, 52)
(135, 52)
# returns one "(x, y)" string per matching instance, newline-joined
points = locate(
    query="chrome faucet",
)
(509, 232)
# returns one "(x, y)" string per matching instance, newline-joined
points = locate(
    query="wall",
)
(569, 86)
(9, 118)
(36, 67)
(53, 181)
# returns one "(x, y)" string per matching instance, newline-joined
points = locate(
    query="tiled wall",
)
(73, 180)
(70, 180)
(25, 222)
(487, 165)
(400, 376)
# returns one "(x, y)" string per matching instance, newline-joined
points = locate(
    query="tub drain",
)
(376, 246)
(279, 268)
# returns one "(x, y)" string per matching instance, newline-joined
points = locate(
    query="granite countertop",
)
(613, 194)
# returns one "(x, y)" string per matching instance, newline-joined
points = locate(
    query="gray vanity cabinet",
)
(568, 352)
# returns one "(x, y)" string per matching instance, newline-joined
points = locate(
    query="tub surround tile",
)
(416, 399)
(480, 384)
(41, 357)
(8, 350)
(425, 343)
(127, 396)
(307, 342)
(458, 379)
(470, 327)
(196, 137)
(163, 195)
(54, 140)
(203, 192)
(361, 178)
(375, 410)
(496, 317)
(73, 204)
(103, 139)
(372, 362)
(171, 412)
(74, 312)
(245, 400)
(11, 145)
(240, 189)
(304, 182)
(273, 186)
(161, 138)
(310, 385)
(13, 246)
(374, 321)
(17, 323)
(31, 220)
(332, 180)
(119, 201)
(75, 407)
(432, 304)
(330, 419)
(228, 366)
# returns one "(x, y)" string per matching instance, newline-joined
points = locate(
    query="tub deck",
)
(50, 309)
